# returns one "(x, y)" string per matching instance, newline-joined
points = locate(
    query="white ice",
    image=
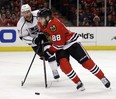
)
(14, 65)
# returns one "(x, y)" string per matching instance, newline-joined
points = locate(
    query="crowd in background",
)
(91, 12)
(10, 10)
(111, 13)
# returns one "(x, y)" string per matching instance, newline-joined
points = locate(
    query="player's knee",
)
(88, 64)
(62, 66)
(65, 65)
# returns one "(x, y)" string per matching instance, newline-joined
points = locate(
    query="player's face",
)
(27, 15)
(42, 20)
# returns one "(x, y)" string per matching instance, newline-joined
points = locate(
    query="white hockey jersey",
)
(28, 30)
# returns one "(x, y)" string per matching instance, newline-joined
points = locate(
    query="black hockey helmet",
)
(44, 12)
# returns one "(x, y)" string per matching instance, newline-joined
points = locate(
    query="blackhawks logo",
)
(53, 28)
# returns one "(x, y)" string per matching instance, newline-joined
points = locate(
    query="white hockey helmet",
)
(25, 7)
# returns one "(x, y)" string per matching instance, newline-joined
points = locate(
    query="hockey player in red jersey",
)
(64, 44)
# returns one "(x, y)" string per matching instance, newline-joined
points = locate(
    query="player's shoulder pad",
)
(56, 22)
(21, 22)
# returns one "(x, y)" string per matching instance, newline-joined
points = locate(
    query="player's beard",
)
(28, 17)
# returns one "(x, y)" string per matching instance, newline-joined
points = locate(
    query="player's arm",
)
(24, 36)
(52, 49)
(27, 37)
(31, 40)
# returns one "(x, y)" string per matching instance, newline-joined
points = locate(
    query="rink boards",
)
(93, 38)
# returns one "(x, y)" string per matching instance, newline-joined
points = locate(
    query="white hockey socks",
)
(53, 64)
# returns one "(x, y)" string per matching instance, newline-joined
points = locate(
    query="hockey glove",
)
(37, 40)
(41, 37)
(47, 54)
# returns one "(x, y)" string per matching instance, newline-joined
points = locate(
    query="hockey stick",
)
(45, 75)
(22, 83)
(44, 64)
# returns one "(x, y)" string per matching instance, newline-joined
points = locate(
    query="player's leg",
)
(54, 66)
(94, 69)
(80, 54)
(63, 59)
(52, 62)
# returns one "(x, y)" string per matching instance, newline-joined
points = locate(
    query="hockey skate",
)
(106, 82)
(55, 74)
(80, 86)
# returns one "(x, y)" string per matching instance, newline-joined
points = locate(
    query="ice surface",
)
(14, 65)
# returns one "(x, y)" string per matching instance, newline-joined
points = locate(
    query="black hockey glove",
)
(41, 37)
(37, 40)
(47, 54)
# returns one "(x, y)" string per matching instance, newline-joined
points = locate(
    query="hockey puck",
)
(37, 93)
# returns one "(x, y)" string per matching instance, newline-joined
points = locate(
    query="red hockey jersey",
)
(61, 37)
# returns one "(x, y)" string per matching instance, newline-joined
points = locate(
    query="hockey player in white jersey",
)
(30, 33)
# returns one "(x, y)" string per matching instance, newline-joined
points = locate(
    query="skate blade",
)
(81, 89)
(109, 88)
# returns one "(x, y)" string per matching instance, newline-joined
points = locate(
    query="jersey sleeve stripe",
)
(57, 47)
(73, 38)
(27, 39)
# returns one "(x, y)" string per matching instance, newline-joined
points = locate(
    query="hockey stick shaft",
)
(45, 75)
(28, 70)
(44, 64)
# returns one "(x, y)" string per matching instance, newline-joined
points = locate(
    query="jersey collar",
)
(49, 22)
